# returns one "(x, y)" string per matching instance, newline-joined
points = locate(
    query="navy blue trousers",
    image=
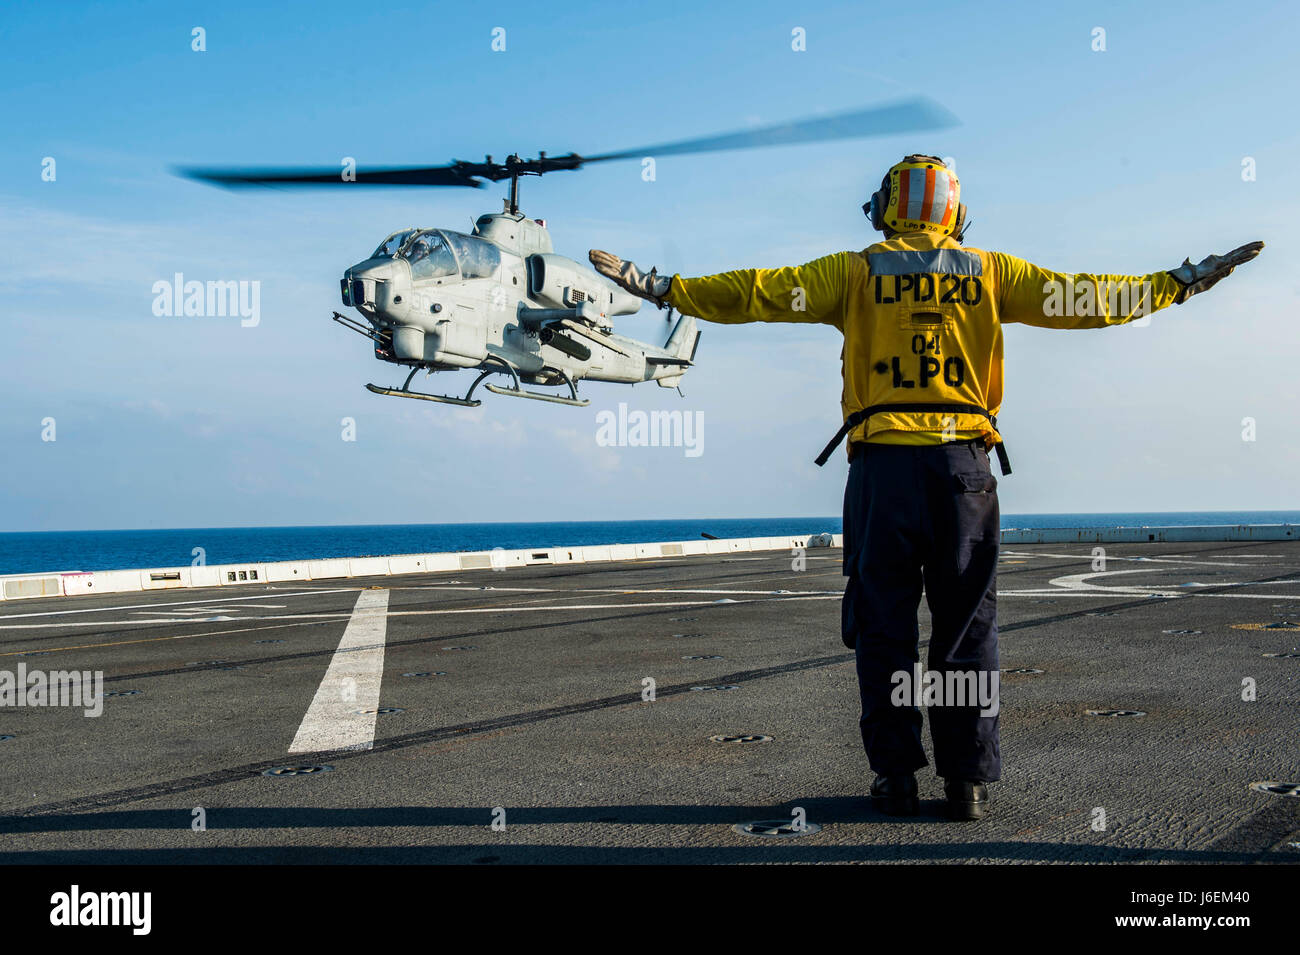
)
(922, 518)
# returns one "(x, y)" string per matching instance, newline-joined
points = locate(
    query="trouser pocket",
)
(981, 483)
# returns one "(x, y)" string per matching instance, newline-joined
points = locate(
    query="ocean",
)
(47, 551)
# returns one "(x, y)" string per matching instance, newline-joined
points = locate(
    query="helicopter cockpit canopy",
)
(429, 255)
(438, 253)
(478, 258)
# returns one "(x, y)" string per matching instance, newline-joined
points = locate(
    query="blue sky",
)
(1125, 160)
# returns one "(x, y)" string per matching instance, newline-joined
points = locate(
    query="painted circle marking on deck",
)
(702, 656)
(1115, 712)
(752, 738)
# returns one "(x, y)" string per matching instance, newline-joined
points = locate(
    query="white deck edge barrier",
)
(81, 583)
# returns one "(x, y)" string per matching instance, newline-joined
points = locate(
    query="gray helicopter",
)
(500, 300)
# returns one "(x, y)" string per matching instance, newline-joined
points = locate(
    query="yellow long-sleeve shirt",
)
(922, 322)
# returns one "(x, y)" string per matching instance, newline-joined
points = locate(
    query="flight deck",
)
(696, 709)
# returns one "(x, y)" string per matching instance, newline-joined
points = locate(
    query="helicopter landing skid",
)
(403, 393)
(469, 401)
(518, 392)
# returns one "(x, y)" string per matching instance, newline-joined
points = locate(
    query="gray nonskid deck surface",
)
(534, 711)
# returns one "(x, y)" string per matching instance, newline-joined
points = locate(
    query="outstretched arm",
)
(1036, 296)
(813, 292)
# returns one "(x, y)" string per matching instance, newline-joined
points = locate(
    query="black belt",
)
(855, 419)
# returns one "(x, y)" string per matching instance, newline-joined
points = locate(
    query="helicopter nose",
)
(375, 285)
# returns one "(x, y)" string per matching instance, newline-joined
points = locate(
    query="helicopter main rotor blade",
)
(455, 174)
(913, 115)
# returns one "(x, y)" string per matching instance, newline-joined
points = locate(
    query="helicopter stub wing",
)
(535, 319)
(595, 335)
(583, 320)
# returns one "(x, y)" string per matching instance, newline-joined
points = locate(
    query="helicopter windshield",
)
(429, 256)
(390, 246)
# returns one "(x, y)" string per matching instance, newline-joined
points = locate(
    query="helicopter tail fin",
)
(684, 339)
(681, 345)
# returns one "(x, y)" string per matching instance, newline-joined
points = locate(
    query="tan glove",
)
(1199, 277)
(648, 285)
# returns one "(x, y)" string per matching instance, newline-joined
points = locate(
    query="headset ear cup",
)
(878, 203)
(960, 224)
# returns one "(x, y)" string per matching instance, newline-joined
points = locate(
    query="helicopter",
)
(500, 300)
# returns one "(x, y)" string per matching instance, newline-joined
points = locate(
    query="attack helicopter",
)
(500, 300)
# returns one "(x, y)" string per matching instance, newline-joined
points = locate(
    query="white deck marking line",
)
(179, 603)
(181, 636)
(182, 615)
(335, 719)
(413, 613)
(1140, 560)
(644, 590)
(1098, 592)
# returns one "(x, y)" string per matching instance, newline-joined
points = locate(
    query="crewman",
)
(922, 367)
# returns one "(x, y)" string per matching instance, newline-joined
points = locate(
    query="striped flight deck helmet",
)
(920, 194)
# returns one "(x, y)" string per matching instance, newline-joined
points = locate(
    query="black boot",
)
(896, 795)
(967, 799)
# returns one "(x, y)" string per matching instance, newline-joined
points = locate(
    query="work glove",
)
(650, 286)
(1199, 277)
